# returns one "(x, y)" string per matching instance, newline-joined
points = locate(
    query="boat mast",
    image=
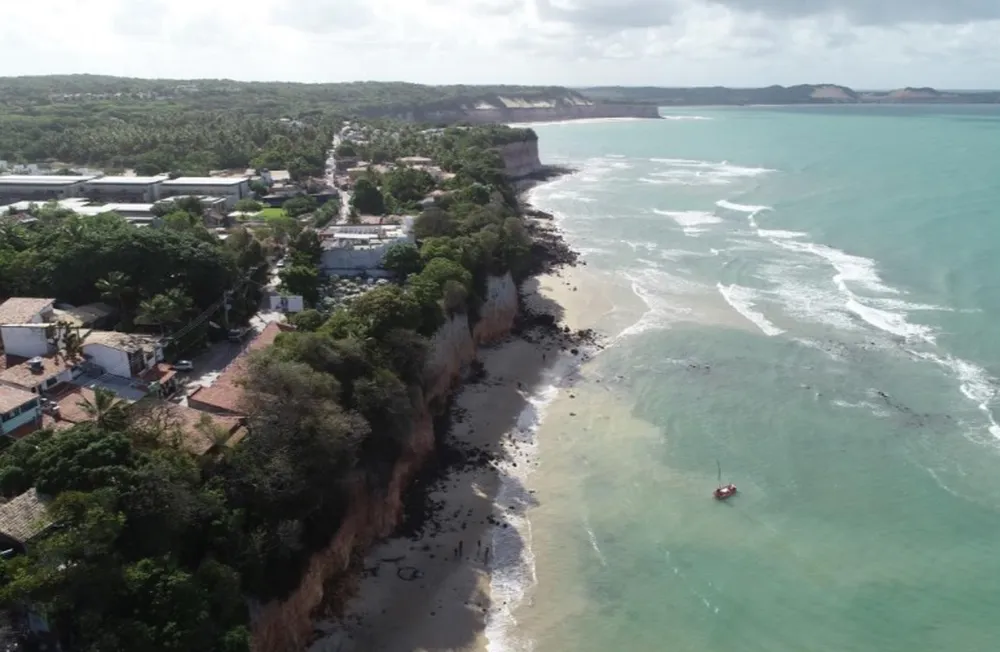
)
(719, 464)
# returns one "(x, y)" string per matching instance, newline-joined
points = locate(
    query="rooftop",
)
(41, 179)
(204, 181)
(85, 315)
(68, 398)
(196, 432)
(25, 516)
(121, 341)
(20, 310)
(123, 181)
(12, 397)
(23, 375)
(226, 393)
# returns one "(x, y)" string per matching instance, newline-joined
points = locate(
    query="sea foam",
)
(742, 301)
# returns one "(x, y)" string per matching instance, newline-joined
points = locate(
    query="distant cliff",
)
(538, 106)
(780, 95)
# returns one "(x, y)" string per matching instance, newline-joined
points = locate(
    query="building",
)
(20, 412)
(357, 250)
(25, 328)
(232, 189)
(40, 375)
(225, 395)
(40, 188)
(90, 315)
(124, 189)
(125, 355)
(415, 161)
(22, 519)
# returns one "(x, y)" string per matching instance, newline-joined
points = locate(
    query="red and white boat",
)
(723, 491)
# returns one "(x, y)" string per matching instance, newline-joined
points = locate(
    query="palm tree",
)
(167, 308)
(114, 287)
(106, 410)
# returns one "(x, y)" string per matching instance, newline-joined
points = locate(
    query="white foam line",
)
(741, 300)
(512, 564)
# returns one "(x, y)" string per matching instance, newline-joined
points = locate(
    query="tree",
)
(346, 149)
(367, 198)
(301, 280)
(434, 222)
(307, 248)
(247, 205)
(114, 287)
(299, 205)
(408, 184)
(385, 308)
(307, 320)
(166, 308)
(105, 409)
(402, 259)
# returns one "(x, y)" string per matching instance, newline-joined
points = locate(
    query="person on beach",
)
(460, 545)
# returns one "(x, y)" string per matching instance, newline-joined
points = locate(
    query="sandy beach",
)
(433, 593)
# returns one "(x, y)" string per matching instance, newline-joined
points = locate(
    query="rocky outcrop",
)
(520, 159)
(286, 625)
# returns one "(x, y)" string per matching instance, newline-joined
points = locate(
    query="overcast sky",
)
(860, 43)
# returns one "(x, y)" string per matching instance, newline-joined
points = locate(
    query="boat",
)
(723, 491)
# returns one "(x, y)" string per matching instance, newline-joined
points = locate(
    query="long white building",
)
(232, 189)
(40, 188)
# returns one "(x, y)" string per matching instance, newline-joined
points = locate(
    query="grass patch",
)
(271, 213)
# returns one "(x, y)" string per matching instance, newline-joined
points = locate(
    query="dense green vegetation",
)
(192, 127)
(164, 275)
(156, 551)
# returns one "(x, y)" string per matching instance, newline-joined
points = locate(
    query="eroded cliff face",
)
(286, 625)
(520, 159)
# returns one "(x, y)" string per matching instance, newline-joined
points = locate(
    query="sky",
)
(865, 44)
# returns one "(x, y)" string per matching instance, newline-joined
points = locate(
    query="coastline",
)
(433, 586)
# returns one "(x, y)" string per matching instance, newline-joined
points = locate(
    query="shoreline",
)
(431, 585)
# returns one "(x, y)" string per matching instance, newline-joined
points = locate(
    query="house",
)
(356, 250)
(124, 189)
(20, 412)
(415, 161)
(232, 189)
(225, 395)
(40, 374)
(40, 188)
(126, 355)
(90, 315)
(22, 519)
(65, 408)
(25, 328)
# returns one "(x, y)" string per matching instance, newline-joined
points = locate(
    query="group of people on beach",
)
(459, 549)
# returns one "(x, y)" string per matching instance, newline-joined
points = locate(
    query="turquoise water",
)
(823, 292)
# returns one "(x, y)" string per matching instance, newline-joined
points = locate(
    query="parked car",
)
(280, 263)
(183, 365)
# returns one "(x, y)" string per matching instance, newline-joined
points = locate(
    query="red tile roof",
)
(225, 394)
(22, 375)
(194, 428)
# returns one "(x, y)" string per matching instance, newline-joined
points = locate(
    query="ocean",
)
(820, 292)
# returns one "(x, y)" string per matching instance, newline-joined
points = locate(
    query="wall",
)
(287, 625)
(113, 361)
(25, 341)
(27, 414)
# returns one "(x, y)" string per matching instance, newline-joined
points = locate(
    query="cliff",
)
(520, 159)
(536, 106)
(780, 95)
(286, 625)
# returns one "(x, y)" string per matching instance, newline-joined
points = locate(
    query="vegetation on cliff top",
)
(154, 550)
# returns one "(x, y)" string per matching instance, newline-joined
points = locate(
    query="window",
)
(51, 381)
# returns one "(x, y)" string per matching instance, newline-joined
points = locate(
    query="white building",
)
(24, 330)
(39, 188)
(124, 189)
(41, 373)
(356, 250)
(122, 354)
(232, 189)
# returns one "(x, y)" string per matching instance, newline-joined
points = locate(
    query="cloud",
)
(863, 43)
(875, 12)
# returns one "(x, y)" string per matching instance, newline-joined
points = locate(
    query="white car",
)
(183, 365)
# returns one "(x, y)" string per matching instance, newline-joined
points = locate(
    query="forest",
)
(155, 550)
(191, 127)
